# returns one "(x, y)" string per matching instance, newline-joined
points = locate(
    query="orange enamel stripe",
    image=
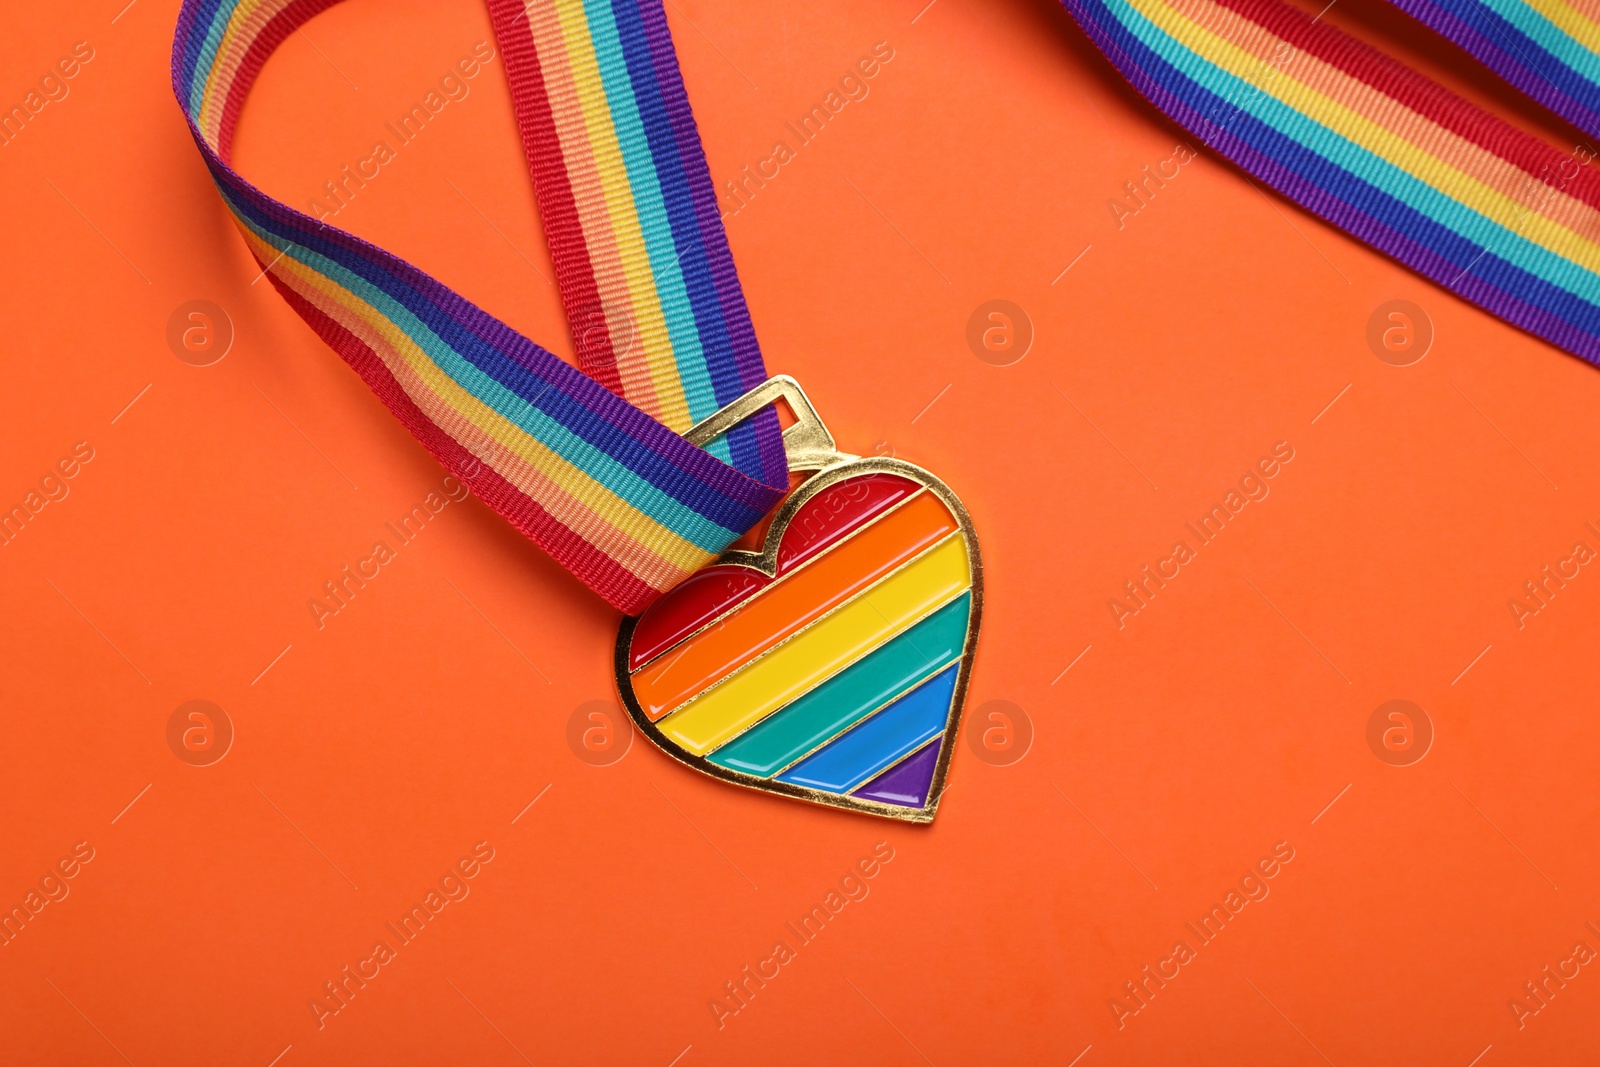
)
(786, 606)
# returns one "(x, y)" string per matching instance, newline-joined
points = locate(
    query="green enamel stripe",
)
(851, 695)
(651, 209)
(631, 487)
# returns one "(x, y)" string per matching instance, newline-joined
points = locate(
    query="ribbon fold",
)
(1354, 136)
(587, 463)
(590, 463)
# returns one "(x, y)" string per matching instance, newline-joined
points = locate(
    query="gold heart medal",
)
(832, 664)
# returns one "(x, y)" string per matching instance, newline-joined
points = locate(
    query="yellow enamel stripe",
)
(650, 326)
(244, 26)
(659, 555)
(814, 654)
(1349, 124)
(1570, 20)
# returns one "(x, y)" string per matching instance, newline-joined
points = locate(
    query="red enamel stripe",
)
(696, 600)
(836, 511)
(784, 608)
(825, 519)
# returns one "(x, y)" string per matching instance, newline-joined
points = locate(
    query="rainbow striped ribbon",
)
(1487, 211)
(588, 463)
(1546, 48)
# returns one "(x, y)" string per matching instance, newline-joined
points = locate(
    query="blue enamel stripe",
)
(839, 703)
(881, 741)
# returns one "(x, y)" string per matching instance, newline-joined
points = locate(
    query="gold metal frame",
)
(810, 447)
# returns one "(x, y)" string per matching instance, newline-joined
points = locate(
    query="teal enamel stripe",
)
(651, 209)
(1552, 38)
(208, 54)
(638, 492)
(1509, 245)
(880, 741)
(851, 695)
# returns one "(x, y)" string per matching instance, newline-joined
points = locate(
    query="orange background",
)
(422, 719)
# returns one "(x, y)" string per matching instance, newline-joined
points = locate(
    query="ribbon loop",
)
(570, 458)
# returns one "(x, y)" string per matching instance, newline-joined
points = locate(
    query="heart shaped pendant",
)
(832, 664)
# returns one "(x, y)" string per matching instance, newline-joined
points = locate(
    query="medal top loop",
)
(807, 443)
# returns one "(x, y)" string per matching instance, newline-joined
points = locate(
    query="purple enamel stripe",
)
(907, 782)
